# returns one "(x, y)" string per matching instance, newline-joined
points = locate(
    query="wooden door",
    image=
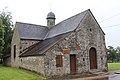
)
(72, 64)
(93, 58)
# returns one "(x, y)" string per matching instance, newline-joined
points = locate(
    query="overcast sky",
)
(107, 13)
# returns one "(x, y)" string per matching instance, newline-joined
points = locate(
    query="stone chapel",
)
(72, 46)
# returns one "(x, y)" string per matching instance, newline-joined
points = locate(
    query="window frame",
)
(14, 47)
(59, 60)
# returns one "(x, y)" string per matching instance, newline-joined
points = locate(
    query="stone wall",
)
(50, 64)
(71, 43)
(7, 61)
(15, 41)
(21, 45)
(26, 43)
(93, 36)
(50, 59)
(33, 63)
(86, 36)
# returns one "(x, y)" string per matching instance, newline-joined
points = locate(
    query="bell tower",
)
(50, 20)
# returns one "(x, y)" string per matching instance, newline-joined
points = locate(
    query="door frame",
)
(73, 63)
(93, 58)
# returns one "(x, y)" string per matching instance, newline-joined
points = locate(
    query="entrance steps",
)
(97, 72)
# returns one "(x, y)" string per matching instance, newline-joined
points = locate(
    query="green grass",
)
(8, 73)
(113, 66)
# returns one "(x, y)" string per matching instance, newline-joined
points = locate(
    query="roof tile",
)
(31, 31)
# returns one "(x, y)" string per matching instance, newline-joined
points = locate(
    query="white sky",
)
(35, 12)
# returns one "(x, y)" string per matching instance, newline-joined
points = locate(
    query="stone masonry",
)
(87, 35)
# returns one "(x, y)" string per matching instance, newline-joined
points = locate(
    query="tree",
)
(1, 39)
(7, 26)
(118, 54)
(111, 52)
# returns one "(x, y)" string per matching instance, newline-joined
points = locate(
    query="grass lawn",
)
(8, 73)
(113, 66)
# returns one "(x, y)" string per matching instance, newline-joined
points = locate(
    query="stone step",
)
(97, 72)
(94, 70)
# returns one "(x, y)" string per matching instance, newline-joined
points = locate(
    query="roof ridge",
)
(31, 24)
(31, 31)
(83, 18)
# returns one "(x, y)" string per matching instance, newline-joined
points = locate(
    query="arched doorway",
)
(93, 58)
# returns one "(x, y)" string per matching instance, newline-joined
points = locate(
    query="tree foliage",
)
(113, 54)
(118, 54)
(1, 38)
(7, 23)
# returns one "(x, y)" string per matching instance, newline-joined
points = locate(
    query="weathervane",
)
(50, 7)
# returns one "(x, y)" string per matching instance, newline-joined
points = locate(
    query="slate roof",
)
(38, 32)
(49, 37)
(51, 15)
(31, 31)
(39, 48)
(67, 25)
